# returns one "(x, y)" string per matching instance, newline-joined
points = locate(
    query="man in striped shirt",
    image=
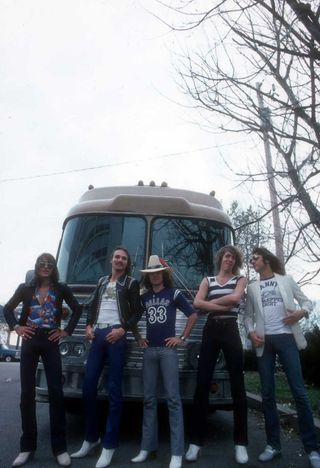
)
(219, 296)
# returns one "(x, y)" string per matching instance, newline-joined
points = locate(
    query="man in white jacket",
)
(272, 323)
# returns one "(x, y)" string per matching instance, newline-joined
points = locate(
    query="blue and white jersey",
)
(161, 309)
(216, 290)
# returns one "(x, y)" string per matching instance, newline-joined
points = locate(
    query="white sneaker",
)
(23, 458)
(86, 447)
(241, 454)
(64, 459)
(314, 459)
(175, 462)
(193, 452)
(269, 454)
(105, 458)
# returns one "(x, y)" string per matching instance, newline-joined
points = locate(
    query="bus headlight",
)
(79, 349)
(72, 348)
(64, 348)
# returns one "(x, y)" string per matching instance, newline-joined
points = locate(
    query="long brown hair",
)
(268, 257)
(129, 264)
(54, 276)
(237, 255)
(167, 279)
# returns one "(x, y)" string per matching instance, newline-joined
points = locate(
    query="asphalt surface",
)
(218, 451)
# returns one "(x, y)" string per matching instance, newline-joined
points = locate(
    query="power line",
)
(121, 163)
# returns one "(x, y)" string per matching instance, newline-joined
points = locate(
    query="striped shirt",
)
(216, 290)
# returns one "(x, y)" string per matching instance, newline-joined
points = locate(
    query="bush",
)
(310, 357)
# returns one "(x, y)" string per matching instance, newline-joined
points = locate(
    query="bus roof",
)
(150, 200)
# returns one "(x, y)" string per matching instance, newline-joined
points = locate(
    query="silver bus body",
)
(186, 228)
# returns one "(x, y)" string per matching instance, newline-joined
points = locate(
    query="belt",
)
(108, 325)
(42, 331)
(220, 319)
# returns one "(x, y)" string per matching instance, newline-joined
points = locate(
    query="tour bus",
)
(183, 227)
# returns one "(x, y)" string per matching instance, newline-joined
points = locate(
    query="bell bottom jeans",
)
(220, 334)
(285, 347)
(31, 350)
(101, 351)
(162, 361)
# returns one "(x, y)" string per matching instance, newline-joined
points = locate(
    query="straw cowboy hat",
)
(154, 264)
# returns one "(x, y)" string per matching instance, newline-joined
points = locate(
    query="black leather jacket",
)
(128, 299)
(24, 294)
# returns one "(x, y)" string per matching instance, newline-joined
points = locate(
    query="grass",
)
(283, 392)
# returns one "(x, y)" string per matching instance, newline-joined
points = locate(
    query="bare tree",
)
(251, 231)
(275, 43)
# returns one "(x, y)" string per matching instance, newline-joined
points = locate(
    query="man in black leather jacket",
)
(113, 308)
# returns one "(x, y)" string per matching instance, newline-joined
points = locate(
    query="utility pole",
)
(266, 125)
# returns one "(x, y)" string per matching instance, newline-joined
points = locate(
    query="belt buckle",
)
(103, 325)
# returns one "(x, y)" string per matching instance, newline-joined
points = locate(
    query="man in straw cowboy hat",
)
(161, 302)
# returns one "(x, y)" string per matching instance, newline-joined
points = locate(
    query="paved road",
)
(218, 453)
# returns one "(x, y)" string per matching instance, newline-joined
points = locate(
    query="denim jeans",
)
(100, 352)
(31, 350)
(285, 347)
(164, 361)
(220, 334)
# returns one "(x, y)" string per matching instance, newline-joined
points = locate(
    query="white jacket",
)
(254, 314)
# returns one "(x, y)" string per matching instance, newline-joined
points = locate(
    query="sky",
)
(89, 95)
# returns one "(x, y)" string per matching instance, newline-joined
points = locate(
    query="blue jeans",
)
(161, 360)
(31, 350)
(99, 353)
(285, 347)
(220, 334)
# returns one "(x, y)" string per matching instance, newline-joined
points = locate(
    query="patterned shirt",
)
(43, 315)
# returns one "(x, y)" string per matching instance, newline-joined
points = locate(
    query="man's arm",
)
(200, 301)
(90, 305)
(249, 322)
(136, 307)
(235, 297)
(10, 306)
(189, 325)
(304, 303)
(74, 306)
(173, 341)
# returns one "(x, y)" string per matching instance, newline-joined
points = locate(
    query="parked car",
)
(9, 354)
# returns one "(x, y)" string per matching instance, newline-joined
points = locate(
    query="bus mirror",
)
(29, 277)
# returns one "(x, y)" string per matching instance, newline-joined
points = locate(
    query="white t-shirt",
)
(273, 307)
(108, 312)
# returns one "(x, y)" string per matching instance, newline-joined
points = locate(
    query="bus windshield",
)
(188, 245)
(88, 241)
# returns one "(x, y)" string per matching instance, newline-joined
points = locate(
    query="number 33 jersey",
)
(161, 310)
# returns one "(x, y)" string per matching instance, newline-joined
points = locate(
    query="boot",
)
(86, 447)
(105, 458)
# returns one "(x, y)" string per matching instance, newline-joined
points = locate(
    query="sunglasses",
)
(254, 258)
(46, 264)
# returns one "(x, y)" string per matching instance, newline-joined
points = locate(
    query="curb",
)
(285, 413)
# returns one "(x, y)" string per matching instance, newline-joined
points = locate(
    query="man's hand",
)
(25, 331)
(173, 341)
(89, 333)
(115, 335)
(143, 343)
(294, 316)
(56, 334)
(257, 340)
